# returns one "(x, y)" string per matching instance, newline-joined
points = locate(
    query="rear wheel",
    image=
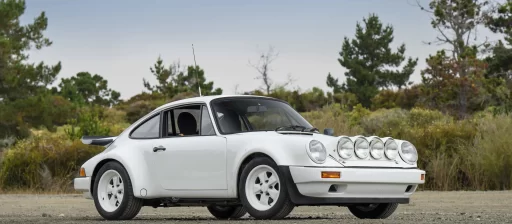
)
(263, 191)
(113, 193)
(227, 212)
(373, 211)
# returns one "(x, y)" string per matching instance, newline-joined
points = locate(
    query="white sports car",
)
(244, 154)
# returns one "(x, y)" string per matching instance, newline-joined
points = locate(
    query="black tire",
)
(130, 205)
(282, 207)
(227, 212)
(380, 211)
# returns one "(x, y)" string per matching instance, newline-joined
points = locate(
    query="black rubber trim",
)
(299, 199)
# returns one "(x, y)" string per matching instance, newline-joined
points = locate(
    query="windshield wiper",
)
(312, 129)
(290, 126)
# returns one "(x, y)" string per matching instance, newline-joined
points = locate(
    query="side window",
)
(206, 123)
(149, 129)
(186, 120)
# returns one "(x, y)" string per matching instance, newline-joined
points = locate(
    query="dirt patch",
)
(425, 207)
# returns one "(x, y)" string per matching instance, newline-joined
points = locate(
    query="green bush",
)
(357, 115)
(489, 156)
(386, 122)
(419, 117)
(138, 109)
(332, 117)
(87, 123)
(44, 161)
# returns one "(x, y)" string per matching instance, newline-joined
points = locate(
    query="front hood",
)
(331, 144)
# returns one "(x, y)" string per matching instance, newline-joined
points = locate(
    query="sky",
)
(121, 39)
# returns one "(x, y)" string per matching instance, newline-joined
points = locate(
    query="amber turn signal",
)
(331, 174)
(82, 172)
(422, 177)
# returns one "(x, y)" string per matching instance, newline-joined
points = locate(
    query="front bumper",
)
(355, 186)
(83, 184)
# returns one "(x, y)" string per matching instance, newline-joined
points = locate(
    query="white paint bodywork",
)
(208, 166)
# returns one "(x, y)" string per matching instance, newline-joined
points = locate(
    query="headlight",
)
(345, 148)
(362, 148)
(317, 151)
(391, 149)
(409, 153)
(377, 148)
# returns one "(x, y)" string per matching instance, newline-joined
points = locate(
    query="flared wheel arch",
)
(244, 163)
(97, 169)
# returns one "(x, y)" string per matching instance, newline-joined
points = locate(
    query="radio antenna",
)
(195, 70)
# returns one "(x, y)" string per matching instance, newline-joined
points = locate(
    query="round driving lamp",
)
(391, 149)
(316, 151)
(377, 148)
(409, 153)
(362, 148)
(345, 148)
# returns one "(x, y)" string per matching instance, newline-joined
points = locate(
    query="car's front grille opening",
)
(333, 189)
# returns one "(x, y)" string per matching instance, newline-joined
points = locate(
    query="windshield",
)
(242, 114)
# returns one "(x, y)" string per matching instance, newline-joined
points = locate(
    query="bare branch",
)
(263, 67)
(446, 39)
(423, 8)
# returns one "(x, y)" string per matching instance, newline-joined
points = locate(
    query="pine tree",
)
(370, 62)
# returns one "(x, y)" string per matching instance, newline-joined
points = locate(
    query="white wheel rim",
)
(110, 190)
(262, 187)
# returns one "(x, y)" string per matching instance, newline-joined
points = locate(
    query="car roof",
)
(205, 99)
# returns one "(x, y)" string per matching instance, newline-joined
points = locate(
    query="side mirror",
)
(329, 131)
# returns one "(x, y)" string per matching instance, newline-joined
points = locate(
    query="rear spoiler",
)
(98, 140)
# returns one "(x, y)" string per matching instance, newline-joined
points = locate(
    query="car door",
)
(189, 161)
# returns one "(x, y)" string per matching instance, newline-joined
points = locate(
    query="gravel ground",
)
(425, 207)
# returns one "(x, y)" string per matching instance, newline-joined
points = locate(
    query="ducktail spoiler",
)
(98, 140)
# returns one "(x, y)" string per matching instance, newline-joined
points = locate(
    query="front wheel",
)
(113, 193)
(227, 212)
(373, 211)
(263, 191)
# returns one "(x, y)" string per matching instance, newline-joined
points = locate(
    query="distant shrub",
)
(439, 144)
(346, 100)
(385, 99)
(115, 120)
(113, 116)
(441, 137)
(385, 122)
(138, 109)
(44, 162)
(179, 96)
(489, 156)
(357, 114)
(423, 117)
(7, 142)
(332, 117)
(87, 123)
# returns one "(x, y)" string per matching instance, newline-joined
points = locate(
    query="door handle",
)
(158, 148)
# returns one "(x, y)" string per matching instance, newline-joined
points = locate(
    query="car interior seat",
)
(187, 124)
(230, 123)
